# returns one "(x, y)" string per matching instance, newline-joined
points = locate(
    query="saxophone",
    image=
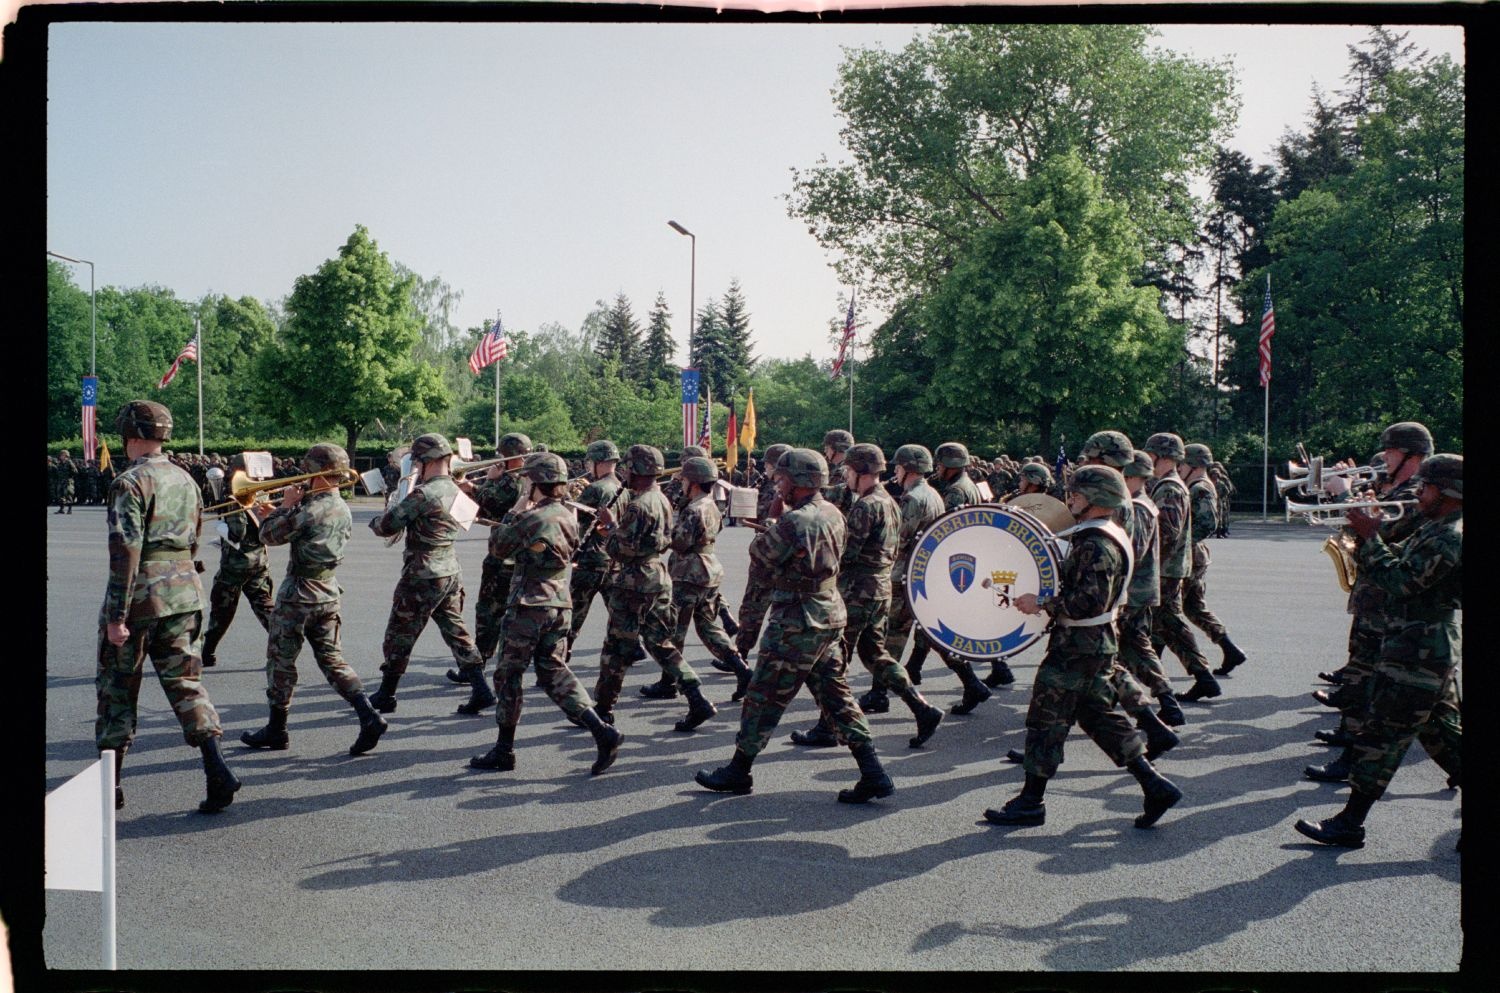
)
(1340, 549)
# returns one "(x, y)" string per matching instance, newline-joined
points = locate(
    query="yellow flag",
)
(103, 455)
(747, 429)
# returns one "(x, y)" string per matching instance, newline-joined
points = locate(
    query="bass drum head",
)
(1046, 508)
(966, 571)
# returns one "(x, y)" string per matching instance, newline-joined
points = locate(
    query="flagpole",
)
(198, 334)
(851, 398)
(497, 389)
(1265, 448)
(107, 849)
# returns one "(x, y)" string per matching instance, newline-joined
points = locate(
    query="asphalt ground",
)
(405, 859)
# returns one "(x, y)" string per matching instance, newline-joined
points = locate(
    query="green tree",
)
(658, 348)
(345, 355)
(234, 333)
(734, 324)
(620, 338)
(68, 343)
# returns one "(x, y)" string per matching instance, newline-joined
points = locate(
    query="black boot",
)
(1159, 737)
(1336, 771)
(820, 735)
(1339, 737)
(731, 626)
(975, 692)
(119, 793)
(1334, 699)
(209, 660)
(1233, 657)
(501, 758)
(1161, 794)
(273, 735)
(605, 737)
(919, 652)
(699, 709)
(876, 701)
(371, 725)
(1344, 829)
(384, 699)
(1026, 810)
(732, 778)
(1335, 677)
(480, 694)
(873, 782)
(664, 688)
(928, 717)
(1204, 687)
(1015, 755)
(1168, 710)
(742, 677)
(1000, 674)
(221, 782)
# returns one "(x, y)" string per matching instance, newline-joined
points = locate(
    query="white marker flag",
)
(75, 825)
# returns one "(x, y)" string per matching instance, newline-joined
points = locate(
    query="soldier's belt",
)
(804, 585)
(1086, 622)
(1429, 615)
(311, 572)
(166, 555)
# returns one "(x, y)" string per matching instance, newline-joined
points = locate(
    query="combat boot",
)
(606, 738)
(1204, 687)
(480, 695)
(273, 735)
(1334, 699)
(209, 661)
(1000, 674)
(1336, 771)
(1339, 737)
(384, 699)
(371, 725)
(731, 626)
(742, 677)
(1344, 829)
(820, 735)
(1159, 738)
(1233, 657)
(919, 652)
(1161, 793)
(220, 781)
(732, 778)
(928, 717)
(664, 688)
(1015, 755)
(1026, 810)
(975, 692)
(873, 782)
(1168, 710)
(1335, 677)
(501, 758)
(876, 701)
(699, 709)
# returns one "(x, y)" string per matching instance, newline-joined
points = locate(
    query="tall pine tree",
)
(658, 348)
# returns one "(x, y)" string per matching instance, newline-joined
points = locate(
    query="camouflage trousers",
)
(1129, 692)
(583, 585)
(1170, 628)
(291, 622)
(64, 494)
(752, 616)
(898, 629)
(414, 601)
(1407, 701)
(1353, 694)
(536, 636)
(489, 607)
(865, 634)
(1136, 653)
(169, 641)
(700, 605)
(1075, 689)
(224, 601)
(1194, 606)
(636, 619)
(791, 655)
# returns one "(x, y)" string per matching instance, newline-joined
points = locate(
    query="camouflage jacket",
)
(1204, 500)
(766, 498)
(642, 532)
(873, 535)
(1424, 577)
(1089, 581)
(837, 494)
(495, 498)
(959, 492)
(591, 553)
(318, 529)
(1145, 581)
(542, 541)
(694, 532)
(241, 548)
(1171, 499)
(920, 506)
(154, 518)
(803, 549)
(1367, 599)
(430, 529)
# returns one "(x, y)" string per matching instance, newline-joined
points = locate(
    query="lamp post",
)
(692, 285)
(92, 337)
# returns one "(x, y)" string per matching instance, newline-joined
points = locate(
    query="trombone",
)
(244, 492)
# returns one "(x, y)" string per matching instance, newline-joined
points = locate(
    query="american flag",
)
(90, 403)
(689, 406)
(847, 340)
(189, 353)
(1267, 331)
(705, 436)
(491, 348)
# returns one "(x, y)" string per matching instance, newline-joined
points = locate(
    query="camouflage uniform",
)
(495, 498)
(696, 576)
(64, 476)
(593, 569)
(1168, 623)
(1204, 501)
(756, 599)
(1136, 653)
(920, 506)
(242, 569)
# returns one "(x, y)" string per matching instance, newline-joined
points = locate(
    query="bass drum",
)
(968, 568)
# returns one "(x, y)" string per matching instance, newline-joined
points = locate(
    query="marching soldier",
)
(1415, 689)
(431, 584)
(1204, 502)
(317, 527)
(1072, 682)
(873, 537)
(757, 597)
(153, 602)
(592, 567)
(800, 645)
(64, 476)
(1136, 651)
(243, 568)
(640, 598)
(541, 537)
(920, 506)
(1224, 486)
(835, 444)
(1174, 525)
(1035, 477)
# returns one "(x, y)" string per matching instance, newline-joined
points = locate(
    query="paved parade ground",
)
(406, 859)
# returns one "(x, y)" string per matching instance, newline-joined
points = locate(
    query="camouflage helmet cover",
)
(545, 467)
(914, 457)
(698, 469)
(1165, 444)
(773, 454)
(804, 467)
(144, 419)
(1408, 436)
(1444, 471)
(324, 455)
(693, 452)
(602, 450)
(1111, 446)
(865, 458)
(1037, 474)
(952, 455)
(1141, 464)
(643, 460)
(1198, 456)
(513, 445)
(1100, 485)
(430, 447)
(839, 440)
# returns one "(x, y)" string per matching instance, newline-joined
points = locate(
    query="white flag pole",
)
(107, 842)
(198, 336)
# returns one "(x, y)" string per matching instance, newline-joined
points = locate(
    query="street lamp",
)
(692, 285)
(92, 337)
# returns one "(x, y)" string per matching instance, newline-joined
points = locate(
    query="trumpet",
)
(1332, 514)
(1310, 478)
(244, 492)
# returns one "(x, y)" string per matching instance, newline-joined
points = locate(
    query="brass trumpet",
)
(1332, 514)
(245, 492)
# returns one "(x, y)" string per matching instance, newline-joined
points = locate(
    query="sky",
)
(533, 167)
